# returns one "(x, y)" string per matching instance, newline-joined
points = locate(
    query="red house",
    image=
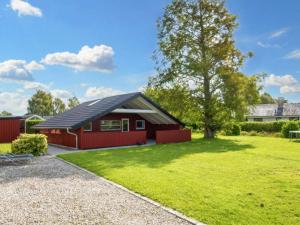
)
(9, 128)
(120, 120)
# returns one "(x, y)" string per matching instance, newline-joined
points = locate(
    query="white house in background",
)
(273, 112)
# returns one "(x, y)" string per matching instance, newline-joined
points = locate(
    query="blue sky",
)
(92, 48)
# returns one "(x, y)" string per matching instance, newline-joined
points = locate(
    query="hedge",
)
(272, 127)
(291, 126)
(30, 124)
(35, 144)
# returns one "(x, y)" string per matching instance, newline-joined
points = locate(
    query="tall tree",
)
(72, 102)
(196, 48)
(41, 104)
(58, 106)
(5, 113)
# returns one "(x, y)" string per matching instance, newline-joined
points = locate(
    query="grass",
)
(231, 180)
(5, 148)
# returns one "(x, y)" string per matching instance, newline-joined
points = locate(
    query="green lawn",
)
(5, 148)
(231, 180)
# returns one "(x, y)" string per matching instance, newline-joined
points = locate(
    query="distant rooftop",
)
(288, 109)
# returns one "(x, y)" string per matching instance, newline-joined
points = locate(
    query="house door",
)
(125, 125)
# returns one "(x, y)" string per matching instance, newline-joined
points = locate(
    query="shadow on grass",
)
(152, 156)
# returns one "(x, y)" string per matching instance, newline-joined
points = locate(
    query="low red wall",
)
(60, 137)
(9, 130)
(171, 136)
(111, 139)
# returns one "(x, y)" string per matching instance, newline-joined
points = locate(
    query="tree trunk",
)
(209, 133)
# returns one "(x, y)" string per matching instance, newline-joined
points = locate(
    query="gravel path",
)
(49, 191)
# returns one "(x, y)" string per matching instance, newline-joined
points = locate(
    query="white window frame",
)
(119, 129)
(89, 130)
(140, 128)
(125, 119)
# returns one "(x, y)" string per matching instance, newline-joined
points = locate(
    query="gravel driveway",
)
(49, 191)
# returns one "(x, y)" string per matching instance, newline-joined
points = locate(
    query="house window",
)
(110, 125)
(88, 127)
(258, 119)
(125, 125)
(140, 124)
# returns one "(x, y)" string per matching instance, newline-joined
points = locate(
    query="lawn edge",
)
(146, 199)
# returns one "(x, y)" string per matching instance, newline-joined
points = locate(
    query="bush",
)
(35, 144)
(269, 127)
(290, 126)
(30, 124)
(262, 134)
(233, 129)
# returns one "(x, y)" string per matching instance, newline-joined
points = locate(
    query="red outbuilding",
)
(120, 120)
(9, 128)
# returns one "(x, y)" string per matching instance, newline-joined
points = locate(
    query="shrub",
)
(233, 129)
(35, 144)
(292, 125)
(270, 127)
(30, 124)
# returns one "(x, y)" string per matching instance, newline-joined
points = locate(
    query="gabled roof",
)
(288, 109)
(89, 111)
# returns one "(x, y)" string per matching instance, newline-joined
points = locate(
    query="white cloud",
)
(98, 58)
(14, 102)
(290, 89)
(18, 70)
(280, 81)
(62, 94)
(36, 85)
(278, 33)
(23, 8)
(293, 55)
(267, 45)
(100, 92)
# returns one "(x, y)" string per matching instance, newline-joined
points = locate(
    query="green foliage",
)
(72, 102)
(266, 98)
(290, 126)
(196, 50)
(5, 113)
(218, 182)
(262, 134)
(40, 104)
(30, 124)
(58, 106)
(177, 101)
(263, 126)
(35, 144)
(233, 129)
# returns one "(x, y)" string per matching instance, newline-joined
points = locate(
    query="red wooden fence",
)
(9, 129)
(111, 139)
(60, 137)
(170, 136)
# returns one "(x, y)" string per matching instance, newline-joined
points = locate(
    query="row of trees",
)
(44, 104)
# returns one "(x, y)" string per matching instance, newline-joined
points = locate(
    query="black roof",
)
(89, 111)
(10, 117)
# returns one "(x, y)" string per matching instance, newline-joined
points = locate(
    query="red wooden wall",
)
(9, 129)
(171, 136)
(111, 139)
(60, 137)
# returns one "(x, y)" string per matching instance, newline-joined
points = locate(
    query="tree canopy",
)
(5, 113)
(197, 50)
(72, 102)
(44, 104)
